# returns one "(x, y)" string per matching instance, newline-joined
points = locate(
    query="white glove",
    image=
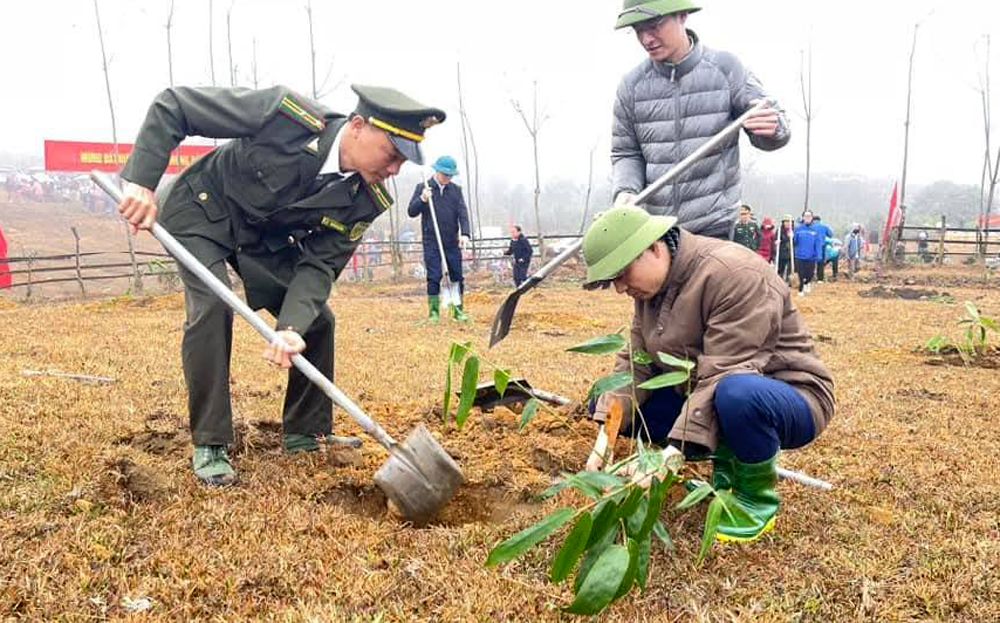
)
(625, 198)
(464, 242)
(596, 459)
(426, 195)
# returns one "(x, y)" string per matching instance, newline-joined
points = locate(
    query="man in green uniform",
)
(285, 203)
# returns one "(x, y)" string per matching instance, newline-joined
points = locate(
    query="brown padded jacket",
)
(725, 309)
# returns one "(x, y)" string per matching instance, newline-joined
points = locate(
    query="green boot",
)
(722, 467)
(459, 314)
(212, 467)
(753, 488)
(435, 308)
(295, 443)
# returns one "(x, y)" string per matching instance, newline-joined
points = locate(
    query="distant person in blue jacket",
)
(827, 234)
(831, 255)
(808, 241)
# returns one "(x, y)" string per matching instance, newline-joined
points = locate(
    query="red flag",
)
(5, 280)
(895, 214)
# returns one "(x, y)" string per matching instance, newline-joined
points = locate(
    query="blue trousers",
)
(757, 416)
(432, 260)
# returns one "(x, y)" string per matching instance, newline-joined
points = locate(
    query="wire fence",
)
(372, 260)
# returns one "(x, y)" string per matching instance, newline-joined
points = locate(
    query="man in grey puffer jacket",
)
(669, 105)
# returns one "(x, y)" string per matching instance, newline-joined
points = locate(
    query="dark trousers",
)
(835, 263)
(784, 267)
(432, 260)
(521, 271)
(205, 353)
(805, 269)
(757, 416)
(820, 272)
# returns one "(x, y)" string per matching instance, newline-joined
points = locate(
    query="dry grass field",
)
(98, 508)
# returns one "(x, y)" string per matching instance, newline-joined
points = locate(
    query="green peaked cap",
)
(635, 11)
(619, 236)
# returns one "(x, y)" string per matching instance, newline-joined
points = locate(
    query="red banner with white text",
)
(4, 266)
(85, 157)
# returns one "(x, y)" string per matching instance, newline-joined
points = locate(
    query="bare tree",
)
(895, 235)
(321, 90)
(991, 170)
(805, 82)
(136, 277)
(170, 49)
(472, 179)
(229, 44)
(590, 185)
(255, 63)
(533, 127)
(211, 41)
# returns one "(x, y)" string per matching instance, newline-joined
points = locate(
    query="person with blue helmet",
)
(453, 223)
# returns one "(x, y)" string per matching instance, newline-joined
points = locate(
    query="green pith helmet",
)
(617, 237)
(635, 11)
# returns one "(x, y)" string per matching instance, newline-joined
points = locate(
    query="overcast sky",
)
(54, 87)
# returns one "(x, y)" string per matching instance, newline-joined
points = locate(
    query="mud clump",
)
(907, 294)
(126, 483)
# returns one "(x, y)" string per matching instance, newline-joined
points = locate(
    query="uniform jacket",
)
(520, 248)
(808, 242)
(449, 207)
(730, 313)
(254, 195)
(663, 112)
(746, 234)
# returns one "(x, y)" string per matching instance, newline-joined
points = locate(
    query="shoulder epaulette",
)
(295, 110)
(380, 195)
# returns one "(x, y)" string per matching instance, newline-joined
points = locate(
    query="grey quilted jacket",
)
(663, 112)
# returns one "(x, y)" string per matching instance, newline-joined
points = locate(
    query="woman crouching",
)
(758, 385)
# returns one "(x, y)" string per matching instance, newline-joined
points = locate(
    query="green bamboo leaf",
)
(675, 362)
(661, 533)
(446, 407)
(500, 380)
(631, 503)
(529, 413)
(972, 310)
(712, 520)
(610, 383)
(570, 552)
(990, 324)
(601, 584)
(668, 379)
(593, 552)
(459, 351)
(604, 345)
(657, 493)
(470, 378)
(630, 573)
(633, 523)
(642, 573)
(529, 537)
(642, 358)
(605, 517)
(554, 489)
(601, 480)
(695, 496)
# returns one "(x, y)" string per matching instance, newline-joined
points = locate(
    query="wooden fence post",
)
(79, 274)
(944, 231)
(30, 256)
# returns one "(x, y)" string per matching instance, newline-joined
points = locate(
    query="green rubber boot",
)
(459, 314)
(753, 488)
(723, 461)
(295, 443)
(435, 308)
(212, 467)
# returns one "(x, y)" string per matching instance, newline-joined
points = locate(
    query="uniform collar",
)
(332, 163)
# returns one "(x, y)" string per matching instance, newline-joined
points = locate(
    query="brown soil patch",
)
(158, 443)
(127, 482)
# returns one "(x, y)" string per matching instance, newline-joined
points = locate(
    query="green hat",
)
(402, 117)
(617, 237)
(635, 11)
